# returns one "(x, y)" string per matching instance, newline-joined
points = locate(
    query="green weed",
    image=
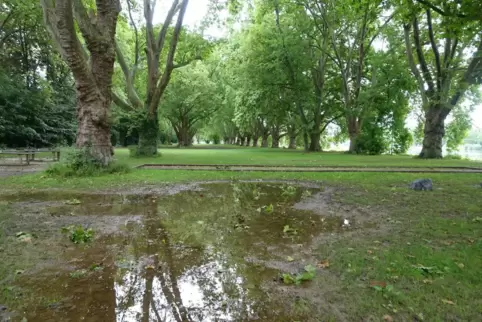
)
(308, 274)
(79, 235)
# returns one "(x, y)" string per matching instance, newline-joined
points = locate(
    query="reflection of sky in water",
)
(212, 304)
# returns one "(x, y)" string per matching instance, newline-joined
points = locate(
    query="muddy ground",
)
(198, 252)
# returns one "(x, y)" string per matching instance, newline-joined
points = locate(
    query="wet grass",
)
(422, 264)
(280, 157)
(425, 265)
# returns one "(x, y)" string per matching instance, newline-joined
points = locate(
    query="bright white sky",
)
(196, 11)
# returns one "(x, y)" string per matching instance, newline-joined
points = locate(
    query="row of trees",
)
(301, 70)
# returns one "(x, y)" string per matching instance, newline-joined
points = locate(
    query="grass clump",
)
(82, 163)
(78, 234)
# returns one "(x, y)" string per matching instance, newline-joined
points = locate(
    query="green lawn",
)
(281, 157)
(427, 259)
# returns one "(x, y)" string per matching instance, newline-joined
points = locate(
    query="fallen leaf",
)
(324, 264)
(387, 318)
(369, 252)
(427, 281)
(290, 259)
(471, 241)
(448, 302)
(149, 267)
(461, 265)
(381, 284)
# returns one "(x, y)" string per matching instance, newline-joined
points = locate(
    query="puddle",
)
(213, 254)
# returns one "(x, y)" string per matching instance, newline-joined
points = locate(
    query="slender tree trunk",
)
(275, 137)
(225, 140)
(264, 141)
(255, 141)
(292, 143)
(248, 140)
(148, 136)
(434, 131)
(353, 132)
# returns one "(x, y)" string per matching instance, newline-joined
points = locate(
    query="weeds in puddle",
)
(78, 234)
(308, 274)
(288, 191)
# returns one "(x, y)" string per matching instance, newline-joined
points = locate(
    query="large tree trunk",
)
(93, 130)
(255, 141)
(433, 132)
(92, 72)
(148, 136)
(184, 137)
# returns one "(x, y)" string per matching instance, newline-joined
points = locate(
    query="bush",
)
(371, 141)
(216, 139)
(81, 163)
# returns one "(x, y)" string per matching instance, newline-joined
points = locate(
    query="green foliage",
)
(308, 274)
(78, 234)
(81, 163)
(458, 129)
(288, 190)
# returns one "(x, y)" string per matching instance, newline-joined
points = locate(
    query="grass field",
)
(267, 156)
(425, 266)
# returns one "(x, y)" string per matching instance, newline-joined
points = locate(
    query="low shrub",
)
(81, 163)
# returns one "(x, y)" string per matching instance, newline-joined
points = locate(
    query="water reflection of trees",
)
(175, 281)
(189, 259)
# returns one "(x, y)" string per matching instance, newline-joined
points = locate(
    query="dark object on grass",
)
(421, 184)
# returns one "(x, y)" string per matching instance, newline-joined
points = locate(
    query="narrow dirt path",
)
(212, 167)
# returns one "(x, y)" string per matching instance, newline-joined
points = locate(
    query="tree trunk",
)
(264, 141)
(255, 141)
(93, 130)
(148, 136)
(248, 140)
(353, 131)
(275, 141)
(292, 144)
(315, 142)
(184, 137)
(225, 140)
(433, 132)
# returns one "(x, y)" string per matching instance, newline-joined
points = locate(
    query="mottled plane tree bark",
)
(92, 66)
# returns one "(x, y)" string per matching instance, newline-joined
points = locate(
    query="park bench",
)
(29, 154)
(55, 153)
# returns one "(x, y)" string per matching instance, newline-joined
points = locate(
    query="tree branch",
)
(413, 66)
(170, 58)
(421, 58)
(129, 77)
(435, 50)
(161, 38)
